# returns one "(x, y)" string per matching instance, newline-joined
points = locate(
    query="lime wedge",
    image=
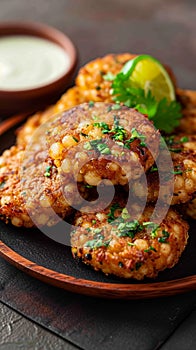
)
(148, 73)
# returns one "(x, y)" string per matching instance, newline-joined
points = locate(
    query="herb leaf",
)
(165, 115)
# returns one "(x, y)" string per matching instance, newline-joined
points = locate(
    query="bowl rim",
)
(47, 32)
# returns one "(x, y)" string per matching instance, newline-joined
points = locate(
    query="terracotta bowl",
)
(31, 100)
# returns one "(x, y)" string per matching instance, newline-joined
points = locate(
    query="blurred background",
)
(165, 29)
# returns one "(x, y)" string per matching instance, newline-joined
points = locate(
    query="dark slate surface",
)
(184, 337)
(18, 333)
(95, 323)
(165, 29)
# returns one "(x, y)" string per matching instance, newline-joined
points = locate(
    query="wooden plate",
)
(51, 262)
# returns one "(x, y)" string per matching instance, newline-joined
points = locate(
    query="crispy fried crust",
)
(16, 191)
(12, 206)
(184, 162)
(114, 162)
(52, 164)
(188, 100)
(105, 247)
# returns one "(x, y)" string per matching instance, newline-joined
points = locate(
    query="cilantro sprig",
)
(165, 115)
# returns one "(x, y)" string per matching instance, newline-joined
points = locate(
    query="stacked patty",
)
(76, 147)
(44, 177)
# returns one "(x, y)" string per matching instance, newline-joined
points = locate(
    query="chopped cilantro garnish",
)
(111, 216)
(129, 229)
(85, 135)
(125, 214)
(105, 127)
(103, 148)
(97, 243)
(138, 265)
(75, 139)
(48, 171)
(184, 139)
(135, 135)
(153, 169)
(91, 104)
(153, 226)
(119, 133)
(175, 150)
(165, 236)
(131, 244)
(97, 231)
(97, 145)
(177, 172)
(150, 249)
(2, 184)
(88, 186)
(171, 142)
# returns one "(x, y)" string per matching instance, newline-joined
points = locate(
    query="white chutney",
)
(28, 62)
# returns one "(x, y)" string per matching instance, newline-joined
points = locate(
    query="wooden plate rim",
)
(88, 287)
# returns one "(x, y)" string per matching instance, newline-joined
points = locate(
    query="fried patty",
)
(25, 200)
(107, 141)
(187, 99)
(183, 184)
(81, 146)
(112, 242)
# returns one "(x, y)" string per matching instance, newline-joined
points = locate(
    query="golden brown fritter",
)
(183, 154)
(108, 142)
(71, 148)
(90, 86)
(12, 205)
(188, 101)
(17, 192)
(187, 98)
(111, 241)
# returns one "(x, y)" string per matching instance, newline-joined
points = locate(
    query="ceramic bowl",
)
(23, 101)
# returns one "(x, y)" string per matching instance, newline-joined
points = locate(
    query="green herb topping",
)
(119, 133)
(111, 216)
(150, 249)
(91, 104)
(48, 171)
(154, 227)
(165, 115)
(129, 229)
(2, 184)
(164, 238)
(135, 135)
(97, 145)
(75, 139)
